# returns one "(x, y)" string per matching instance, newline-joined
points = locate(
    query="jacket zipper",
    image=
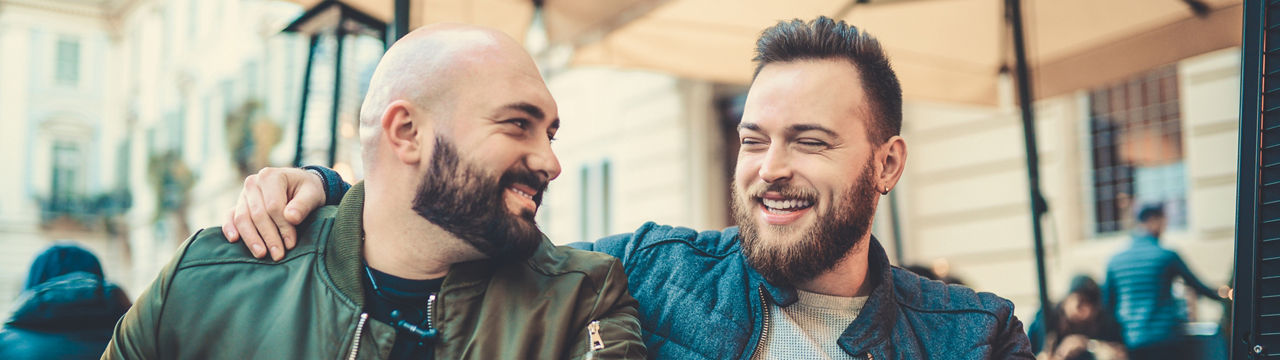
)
(594, 342)
(431, 307)
(355, 345)
(593, 332)
(764, 327)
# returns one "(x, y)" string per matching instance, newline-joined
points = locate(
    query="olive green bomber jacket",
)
(214, 300)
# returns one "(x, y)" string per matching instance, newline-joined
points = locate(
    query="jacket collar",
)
(344, 251)
(877, 317)
(1142, 236)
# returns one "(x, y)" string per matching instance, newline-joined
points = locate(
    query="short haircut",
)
(824, 39)
(1149, 211)
(1087, 288)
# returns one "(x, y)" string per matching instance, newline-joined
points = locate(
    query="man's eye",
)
(520, 123)
(749, 141)
(812, 143)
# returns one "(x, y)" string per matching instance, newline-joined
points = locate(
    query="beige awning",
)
(509, 16)
(943, 50)
(567, 21)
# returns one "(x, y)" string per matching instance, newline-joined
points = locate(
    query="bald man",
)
(434, 255)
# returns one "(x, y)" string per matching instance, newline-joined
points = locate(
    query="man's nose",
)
(544, 161)
(776, 165)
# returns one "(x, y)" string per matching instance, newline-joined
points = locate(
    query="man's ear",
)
(892, 163)
(402, 127)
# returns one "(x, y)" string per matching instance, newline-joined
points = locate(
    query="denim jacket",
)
(700, 300)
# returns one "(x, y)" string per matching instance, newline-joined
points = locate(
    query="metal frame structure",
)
(314, 22)
(1254, 315)
(1022, 72)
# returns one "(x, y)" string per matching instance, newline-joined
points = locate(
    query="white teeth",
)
(521, 193)
(786, 204)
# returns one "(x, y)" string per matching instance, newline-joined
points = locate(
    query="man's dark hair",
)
(823, 39)
(1150, 211)
(1087, 288)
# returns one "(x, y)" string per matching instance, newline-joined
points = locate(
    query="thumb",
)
(305, 200)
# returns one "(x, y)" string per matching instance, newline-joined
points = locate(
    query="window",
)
(67, 71)
(67, 165)
(595, 201)
(193, 18)
(1135, 130)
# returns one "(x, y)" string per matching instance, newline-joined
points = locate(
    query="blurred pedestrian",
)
(66, 309)
(1076, 320)
(1139, 289)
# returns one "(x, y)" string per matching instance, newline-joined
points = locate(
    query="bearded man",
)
(434, 255)
(801, 277)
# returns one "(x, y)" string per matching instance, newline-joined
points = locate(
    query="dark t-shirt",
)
(387, 293)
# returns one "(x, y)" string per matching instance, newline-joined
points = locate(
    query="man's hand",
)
(272, 202)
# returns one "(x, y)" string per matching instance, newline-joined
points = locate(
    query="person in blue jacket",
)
(1139, 287)
(66, 310)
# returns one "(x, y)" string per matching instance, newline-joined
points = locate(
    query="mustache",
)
(538, 181)
(784, 188)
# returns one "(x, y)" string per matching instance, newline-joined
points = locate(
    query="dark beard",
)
(821, 248)
(470, 203)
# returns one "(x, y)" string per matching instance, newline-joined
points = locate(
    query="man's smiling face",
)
(804, 186)
(492, 157)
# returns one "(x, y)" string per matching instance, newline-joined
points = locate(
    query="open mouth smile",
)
(779, 210)
(523, 196)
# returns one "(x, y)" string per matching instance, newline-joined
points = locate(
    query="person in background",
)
(1077, 319)
(66, 309)
(1138, 287)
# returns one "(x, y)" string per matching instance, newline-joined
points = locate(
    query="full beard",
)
(469, 203)
(820, 247)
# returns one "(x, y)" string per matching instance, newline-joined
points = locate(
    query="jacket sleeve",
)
(1011, 341)
(1193, 281)
(615, 245)
(334, 187)
(137, 334)
(614, 332)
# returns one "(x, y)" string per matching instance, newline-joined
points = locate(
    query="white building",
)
(63, 130)
(1168, 136)
(100, 92)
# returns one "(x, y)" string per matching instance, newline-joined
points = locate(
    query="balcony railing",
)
(84, 212)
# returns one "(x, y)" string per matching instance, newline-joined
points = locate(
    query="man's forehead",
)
(497, 84)
(805, 94)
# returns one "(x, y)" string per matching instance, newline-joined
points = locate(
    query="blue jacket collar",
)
(881, 312)
(1144, 237)
(878, 316)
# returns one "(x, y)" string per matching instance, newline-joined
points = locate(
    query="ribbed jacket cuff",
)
(334, 187)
